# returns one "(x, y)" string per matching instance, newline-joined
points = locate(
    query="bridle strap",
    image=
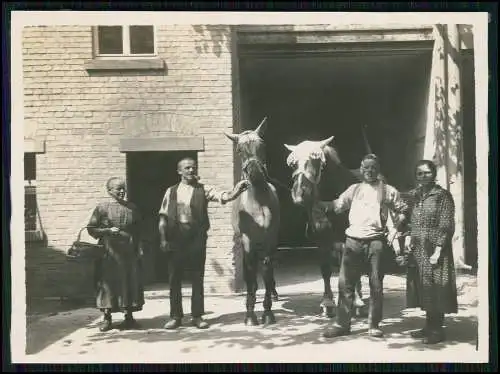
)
(253, 159)
(314, 181)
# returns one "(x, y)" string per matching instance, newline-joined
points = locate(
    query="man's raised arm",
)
(223, 197)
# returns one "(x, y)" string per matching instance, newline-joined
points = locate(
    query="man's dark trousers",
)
(188, 252)
(361, 254)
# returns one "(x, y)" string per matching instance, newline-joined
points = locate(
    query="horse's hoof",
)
(328, 312)
(251, 320)
(361, 312)
(275, 296)
(268, 318)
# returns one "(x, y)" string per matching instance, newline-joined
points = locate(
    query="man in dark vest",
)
(183, 229)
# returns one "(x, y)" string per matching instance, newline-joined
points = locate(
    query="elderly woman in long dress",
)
(115, 223)
(431, 280)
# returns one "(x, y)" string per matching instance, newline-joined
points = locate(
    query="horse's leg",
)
(273, 282)
(269, 284)
(250, 274)
(327, 303)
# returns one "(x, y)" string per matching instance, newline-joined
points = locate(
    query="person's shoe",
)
(199, 323)
(336, 331)
(275, 295)
(419, 334)
(173, 324)
(433, 337)
(375, 332)
(106, 325)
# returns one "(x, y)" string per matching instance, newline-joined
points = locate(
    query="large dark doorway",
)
(317, 95)
(149, 174)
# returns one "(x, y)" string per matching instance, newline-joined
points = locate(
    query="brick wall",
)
(82, 115)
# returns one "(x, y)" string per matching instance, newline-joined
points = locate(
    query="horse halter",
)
(253, 159)
(250, 138)
(293, 161)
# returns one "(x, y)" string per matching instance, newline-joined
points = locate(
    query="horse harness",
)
(264, 167)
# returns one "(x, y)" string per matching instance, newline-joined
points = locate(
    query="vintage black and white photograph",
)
(249, 187)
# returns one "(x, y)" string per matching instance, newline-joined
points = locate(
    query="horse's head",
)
(251, 149)
(307, 159)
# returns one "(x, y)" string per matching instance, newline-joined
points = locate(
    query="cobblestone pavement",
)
(73, 336)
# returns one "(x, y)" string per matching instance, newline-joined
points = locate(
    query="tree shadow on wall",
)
(448, 152)
(213, 38)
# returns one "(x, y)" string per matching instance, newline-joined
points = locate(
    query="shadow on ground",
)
(298, 323)
(56, 327)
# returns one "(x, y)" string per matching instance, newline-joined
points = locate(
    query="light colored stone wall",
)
(82, 115)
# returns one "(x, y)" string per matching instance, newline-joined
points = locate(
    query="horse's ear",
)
(233, 137)
(325, 142)
(261, 128)
(291, 148)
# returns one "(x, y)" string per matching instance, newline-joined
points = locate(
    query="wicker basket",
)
(84, 250)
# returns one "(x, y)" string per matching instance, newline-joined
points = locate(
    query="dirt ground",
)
(61, 332)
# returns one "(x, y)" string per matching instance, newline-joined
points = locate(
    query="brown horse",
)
(319, 175)
(256, 220)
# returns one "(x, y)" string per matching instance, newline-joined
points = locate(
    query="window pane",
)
(29, 166)
(141, 39)
(30, 209)
(110, 39)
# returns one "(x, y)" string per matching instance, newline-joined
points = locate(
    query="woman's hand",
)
(435, 256)
(408, 244)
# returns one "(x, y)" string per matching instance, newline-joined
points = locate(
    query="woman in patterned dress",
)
(115, 223)
(432, 225)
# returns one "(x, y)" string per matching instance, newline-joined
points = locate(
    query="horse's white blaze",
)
(303, 155)
(301, 166)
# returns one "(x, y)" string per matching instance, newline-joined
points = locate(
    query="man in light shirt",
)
(183, 227)
(369, 204)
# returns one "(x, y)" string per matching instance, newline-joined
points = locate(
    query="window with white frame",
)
(30, 203)
(125, 41)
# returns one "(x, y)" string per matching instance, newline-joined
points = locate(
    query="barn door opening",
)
(311, 96)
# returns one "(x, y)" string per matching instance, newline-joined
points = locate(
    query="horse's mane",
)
(336, 177)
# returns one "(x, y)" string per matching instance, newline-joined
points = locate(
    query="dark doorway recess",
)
(312, 96)
(149, 174)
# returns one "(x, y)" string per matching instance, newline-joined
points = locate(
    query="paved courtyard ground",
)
(72, 336)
